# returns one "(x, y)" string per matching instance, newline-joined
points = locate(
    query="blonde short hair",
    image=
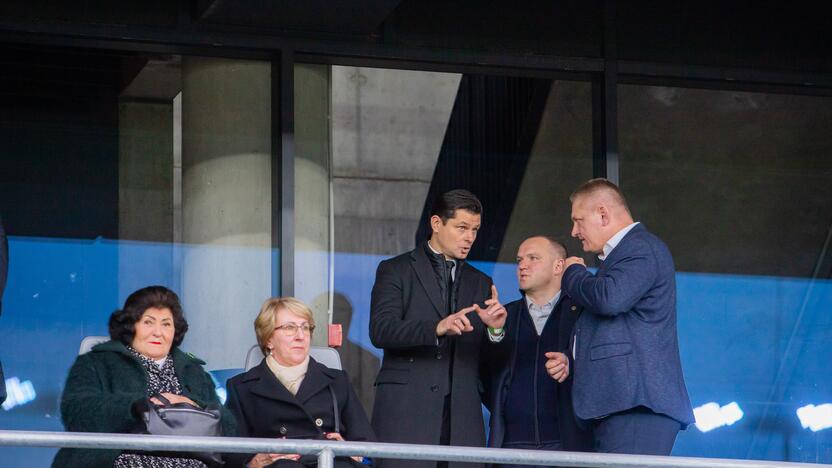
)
(266, 320)
(599, 185)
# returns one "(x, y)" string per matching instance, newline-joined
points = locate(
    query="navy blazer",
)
(626, 344)
(499, 367)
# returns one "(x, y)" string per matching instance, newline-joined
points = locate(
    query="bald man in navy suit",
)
(628, 379)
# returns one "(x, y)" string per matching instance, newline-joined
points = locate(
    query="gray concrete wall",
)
(226, 204)
(145, 153)
(733, 182)
(561, 158)
(145, 191)
(312, 193)
(387, 130)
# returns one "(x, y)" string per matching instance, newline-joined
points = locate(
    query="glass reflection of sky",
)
(761, 342)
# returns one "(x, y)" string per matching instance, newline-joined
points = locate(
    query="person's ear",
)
(435, 223)
(559, 266)
(605, 215)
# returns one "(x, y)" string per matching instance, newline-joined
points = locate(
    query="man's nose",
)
(574, 230)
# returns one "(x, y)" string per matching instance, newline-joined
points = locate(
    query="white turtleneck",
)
(289, 376)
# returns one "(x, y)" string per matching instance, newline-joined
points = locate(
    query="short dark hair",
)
(122, 323)
(445, 205)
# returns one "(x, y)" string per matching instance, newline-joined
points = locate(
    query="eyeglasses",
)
(291, 329)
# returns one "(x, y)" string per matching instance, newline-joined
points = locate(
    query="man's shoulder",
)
(473, 272)
(396, 264)
(641, 239)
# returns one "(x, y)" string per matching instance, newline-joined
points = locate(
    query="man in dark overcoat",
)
(527, 374)
(432, 313)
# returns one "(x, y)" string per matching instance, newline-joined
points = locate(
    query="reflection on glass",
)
(394, 139)
(737, 184)
(120, 170)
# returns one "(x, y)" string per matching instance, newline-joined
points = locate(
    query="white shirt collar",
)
(540, 314)
(615, 240)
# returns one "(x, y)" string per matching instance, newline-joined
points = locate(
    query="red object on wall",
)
(335, 335)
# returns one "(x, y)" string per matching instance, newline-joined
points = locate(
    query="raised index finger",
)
(467, 310)
(494, 294)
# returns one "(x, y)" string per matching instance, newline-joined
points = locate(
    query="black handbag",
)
(183, 419)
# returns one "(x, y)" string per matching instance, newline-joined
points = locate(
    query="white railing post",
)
(326, 458)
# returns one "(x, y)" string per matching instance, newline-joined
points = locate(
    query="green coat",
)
(101, 389)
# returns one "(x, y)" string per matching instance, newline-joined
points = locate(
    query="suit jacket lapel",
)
(316, 380)
(427, 277)
(465, 293)
(621, 248)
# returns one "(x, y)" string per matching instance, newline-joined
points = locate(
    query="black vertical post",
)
(605, 105)
(283, 170)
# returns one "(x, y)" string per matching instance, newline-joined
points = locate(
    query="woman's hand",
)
(338, 437)
(265, 459)
(174, 399)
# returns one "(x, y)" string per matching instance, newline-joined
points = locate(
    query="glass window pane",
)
(120, 170)
(737, 184)
(397, 139)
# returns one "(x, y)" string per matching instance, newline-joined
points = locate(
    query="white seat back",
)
(323, 354)
(89, 341)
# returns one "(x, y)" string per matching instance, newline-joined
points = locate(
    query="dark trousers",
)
(637, 431)
(508, 445)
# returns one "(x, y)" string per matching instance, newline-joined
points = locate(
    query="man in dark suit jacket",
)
(628, 375)
(528, 374)
(4, 268)
(421, 316)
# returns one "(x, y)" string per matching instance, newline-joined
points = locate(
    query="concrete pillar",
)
(312, 193)
(145, 207)
(561, 158)
(226, 204)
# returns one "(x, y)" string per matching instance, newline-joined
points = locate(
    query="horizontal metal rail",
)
(326, 449)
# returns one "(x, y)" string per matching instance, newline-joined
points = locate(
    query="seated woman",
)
(108, 387)
(291, 395)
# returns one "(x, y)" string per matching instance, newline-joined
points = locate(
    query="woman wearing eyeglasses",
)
(291, 395)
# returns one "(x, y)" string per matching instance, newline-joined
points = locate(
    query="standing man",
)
(530, 386)
(4, 269)
(628, 374)
(429, 313)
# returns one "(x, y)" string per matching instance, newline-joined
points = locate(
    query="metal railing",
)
(326, 450)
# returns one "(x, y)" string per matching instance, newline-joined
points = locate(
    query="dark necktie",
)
(449, 267)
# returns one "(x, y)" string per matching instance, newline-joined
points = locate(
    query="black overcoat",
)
(263, 407)
(416, 373)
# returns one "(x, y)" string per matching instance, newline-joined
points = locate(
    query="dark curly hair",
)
(123, 322)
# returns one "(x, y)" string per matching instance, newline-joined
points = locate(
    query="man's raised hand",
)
(494, 314)
(455, 324)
